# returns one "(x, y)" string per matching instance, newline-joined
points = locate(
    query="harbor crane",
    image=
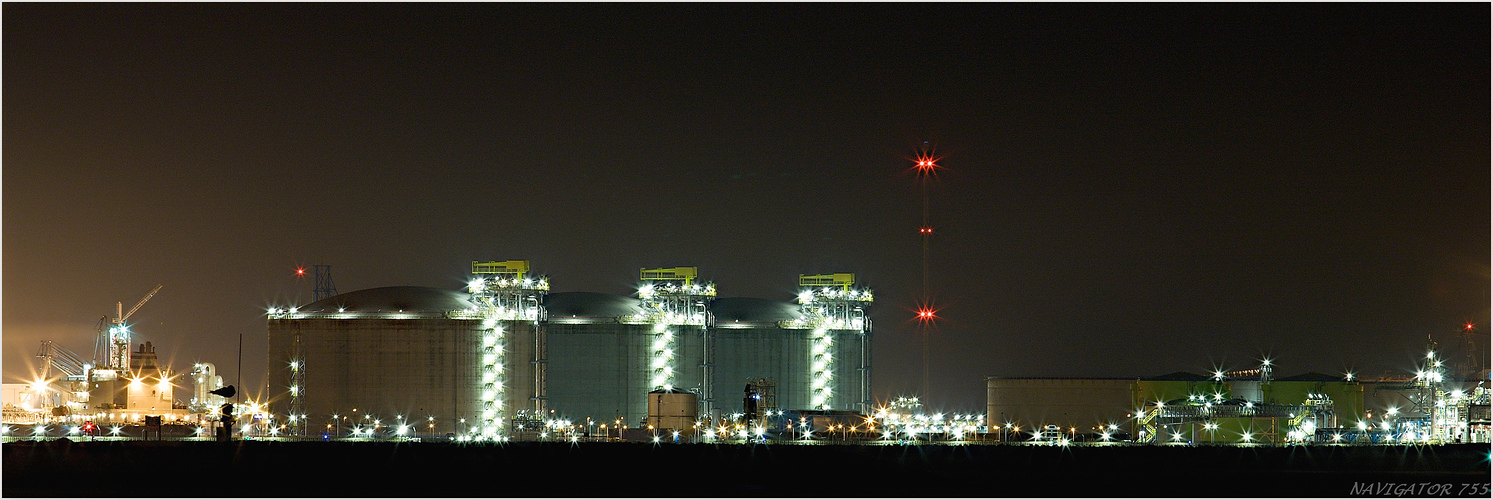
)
(65, 361)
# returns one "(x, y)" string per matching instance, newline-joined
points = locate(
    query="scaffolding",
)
(1182, 421)
(831, 302)
(504, 291)
(673, 300)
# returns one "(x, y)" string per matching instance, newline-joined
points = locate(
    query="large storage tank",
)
(385, 353)
(761, 340)
(457, 362)
(596, 365)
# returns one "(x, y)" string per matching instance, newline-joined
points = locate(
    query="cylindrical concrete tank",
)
(385, 355)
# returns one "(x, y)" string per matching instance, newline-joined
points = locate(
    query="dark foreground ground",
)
(313, 469)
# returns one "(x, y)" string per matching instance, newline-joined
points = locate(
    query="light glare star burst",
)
(926, 164)
(926, 314)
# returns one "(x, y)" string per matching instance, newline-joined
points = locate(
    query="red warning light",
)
(300, 271)
(926, 163)
(1469, 326)
(927, 314)
(926, 230)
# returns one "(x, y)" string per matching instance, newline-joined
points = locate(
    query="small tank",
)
(673, 410)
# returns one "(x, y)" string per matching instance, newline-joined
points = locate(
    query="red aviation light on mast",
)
(925, 230)
(926, 164)
(927, 314)
(300, 271)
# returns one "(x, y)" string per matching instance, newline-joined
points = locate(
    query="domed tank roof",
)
(393, 298)
(753, 310)
(590, 305)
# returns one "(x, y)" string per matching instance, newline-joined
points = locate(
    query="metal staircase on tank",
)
(672, 297)
(831, 302)
(504, 291)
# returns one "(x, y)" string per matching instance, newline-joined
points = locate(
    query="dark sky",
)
(1129, 190)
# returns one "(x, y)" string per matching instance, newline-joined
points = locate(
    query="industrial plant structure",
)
(1242, 407)
(505, 355)
(122, 382)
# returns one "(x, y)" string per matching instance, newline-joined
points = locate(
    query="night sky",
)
(1129, 190)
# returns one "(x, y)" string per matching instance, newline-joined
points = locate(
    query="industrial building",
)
(1180, 406)
(506, 356)
(1240, 407)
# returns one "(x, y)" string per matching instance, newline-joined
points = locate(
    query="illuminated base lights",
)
(811, 296)
(819, 321)
(500, 285)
